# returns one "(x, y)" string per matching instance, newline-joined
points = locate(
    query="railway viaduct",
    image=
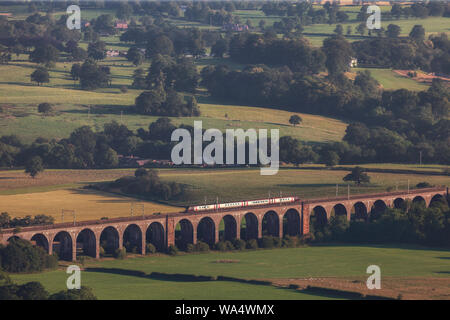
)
(68, 239)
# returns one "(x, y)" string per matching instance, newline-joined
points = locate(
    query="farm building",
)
(121, 25)
(235, 27)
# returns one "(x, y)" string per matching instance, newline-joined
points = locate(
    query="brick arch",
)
(340, 209)
(64, 244)
(89, 242)
(206, 230)
(271, 224)
(419, 199)
(252, 226)
(41, 240)
(186, 235)
(319, 216)
(155, 234)
(111, 238)
(399, 203)
(231, 225)
(361, 210)
(13, 237)
(377, 208)
(132, 238)
(436, 197)
(292, 222)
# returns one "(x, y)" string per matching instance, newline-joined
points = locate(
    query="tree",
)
(97, 50)
(40, 75)
(349, 30)
(295, 119)
(135, 55)
(338, 52)
(78, 54)
(92, 76)
(34, 166)
(339, 29)
(84, 293)
(262, 24)
(160, 45)
(75, 71)
(219, 48)
(357, 175)
(45, 107)
(124, 11)
(104, 24)
(45, 54)
(330, 158)
(393, 31)
(139, 79)
(361, 28)
(417, 33)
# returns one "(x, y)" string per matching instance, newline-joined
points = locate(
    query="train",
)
(242, 204)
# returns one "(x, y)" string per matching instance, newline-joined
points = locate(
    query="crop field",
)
(403, 270)
(87, 204)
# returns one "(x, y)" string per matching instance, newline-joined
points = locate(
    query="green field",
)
(123, 279)
(316, 33)
(392, 81)
(232, 184)
(74, 107)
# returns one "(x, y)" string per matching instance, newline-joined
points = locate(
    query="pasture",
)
(230, 184)
(392, 81)
(74, 108)
(130, 278)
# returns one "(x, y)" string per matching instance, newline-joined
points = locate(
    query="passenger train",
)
(242, 204)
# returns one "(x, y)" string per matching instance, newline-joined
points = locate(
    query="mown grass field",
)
(120, 279)
(229, 184)
(392, 81)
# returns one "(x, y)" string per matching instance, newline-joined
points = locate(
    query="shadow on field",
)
(311, 290)
(402, 246)
(300, 185)
(100, 109)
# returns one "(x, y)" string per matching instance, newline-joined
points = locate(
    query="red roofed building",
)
(121, 24)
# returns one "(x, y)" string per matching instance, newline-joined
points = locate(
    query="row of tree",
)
(414, 223)
(21, 256)
(7, 222)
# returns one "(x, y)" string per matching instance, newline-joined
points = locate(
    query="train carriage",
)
(242, 204)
